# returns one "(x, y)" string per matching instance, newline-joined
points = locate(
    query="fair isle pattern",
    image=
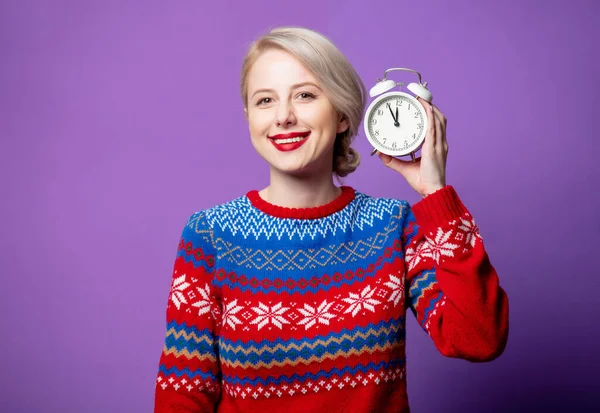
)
(372, 222)
(181, 381)
(396, 365)
(240, 218)
(192, 343)
(284, 386)
(293, 316)
(263, 308)
(302, 285)
(299, 260)
(386, 292)
(293, 352)
(307, 386)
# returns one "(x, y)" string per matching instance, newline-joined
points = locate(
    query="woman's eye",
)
(264, 100)
(306, 95)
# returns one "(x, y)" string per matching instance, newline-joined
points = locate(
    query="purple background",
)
(119, 119)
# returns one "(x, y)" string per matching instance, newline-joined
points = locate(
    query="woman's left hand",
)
(427, 173)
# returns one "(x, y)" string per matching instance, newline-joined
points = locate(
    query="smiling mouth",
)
(289, 142)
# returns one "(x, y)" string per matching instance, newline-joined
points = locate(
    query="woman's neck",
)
(300, 192)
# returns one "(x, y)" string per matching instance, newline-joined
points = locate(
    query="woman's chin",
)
(294, 168)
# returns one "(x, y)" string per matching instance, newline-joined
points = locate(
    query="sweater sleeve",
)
(188, 375)
(453, 289)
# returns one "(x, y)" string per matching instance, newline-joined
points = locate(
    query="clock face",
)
(396, 123)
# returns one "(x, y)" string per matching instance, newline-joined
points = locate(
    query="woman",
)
(293, 298)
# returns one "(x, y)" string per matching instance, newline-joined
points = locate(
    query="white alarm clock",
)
(396, 122)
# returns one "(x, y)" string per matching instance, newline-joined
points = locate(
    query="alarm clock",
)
(395, 121)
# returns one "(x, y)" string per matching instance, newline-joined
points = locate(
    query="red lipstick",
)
(289, 141)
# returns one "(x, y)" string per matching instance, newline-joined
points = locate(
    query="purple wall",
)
(118, 119)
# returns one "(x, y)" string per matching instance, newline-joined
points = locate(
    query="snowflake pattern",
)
(397, 288)
(203, 304)
(471, 231)
(440, 246)
(312, 316)
(436, 247)
(229, 315)
(414, 256)
(177, 291)
(359, 301)
(270, 315)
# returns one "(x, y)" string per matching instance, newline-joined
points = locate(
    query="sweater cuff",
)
(439, 208)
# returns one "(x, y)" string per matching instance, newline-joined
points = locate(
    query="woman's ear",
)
(342, 125)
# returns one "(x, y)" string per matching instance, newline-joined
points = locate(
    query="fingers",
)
(440, 115)
(441, 123)
(439, 133)
(438, 122)
(430, 137)
(396, 164)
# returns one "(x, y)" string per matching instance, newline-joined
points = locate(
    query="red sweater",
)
(277, 309)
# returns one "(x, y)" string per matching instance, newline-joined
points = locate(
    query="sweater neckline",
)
(339, 203)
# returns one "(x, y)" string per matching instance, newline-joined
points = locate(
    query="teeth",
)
(290, 140)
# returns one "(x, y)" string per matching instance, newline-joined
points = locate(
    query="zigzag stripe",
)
(239, 218)
(358, 339)
(235, 380)
(189, 333)
(189, 355)
(420, 285)
(179, 342)
(186, 372)
(312, 359)
(430, 308)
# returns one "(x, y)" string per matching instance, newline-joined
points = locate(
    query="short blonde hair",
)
(341, 82)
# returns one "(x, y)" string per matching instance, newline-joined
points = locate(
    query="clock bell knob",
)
(382, 87)
(420, 91)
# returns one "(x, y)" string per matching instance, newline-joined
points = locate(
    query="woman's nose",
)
(285, 115)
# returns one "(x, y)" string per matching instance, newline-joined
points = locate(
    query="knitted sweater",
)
(275, 309)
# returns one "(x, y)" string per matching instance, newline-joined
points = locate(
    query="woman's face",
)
(292, 123)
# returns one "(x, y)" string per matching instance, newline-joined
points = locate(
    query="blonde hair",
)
(341, 82)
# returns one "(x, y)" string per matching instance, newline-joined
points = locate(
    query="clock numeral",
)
(414, 136)
(384, 140)
(398, 102)
(409, 106)
(405, 143)
(416, 115)
(394, 145)
(379, 112)
(389, 105)
(373, 121)
(420, 126)
(377, 133)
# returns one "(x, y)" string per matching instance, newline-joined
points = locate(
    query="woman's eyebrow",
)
(296, 86)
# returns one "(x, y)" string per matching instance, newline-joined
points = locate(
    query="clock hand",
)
(392, 113)
(394, 117)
